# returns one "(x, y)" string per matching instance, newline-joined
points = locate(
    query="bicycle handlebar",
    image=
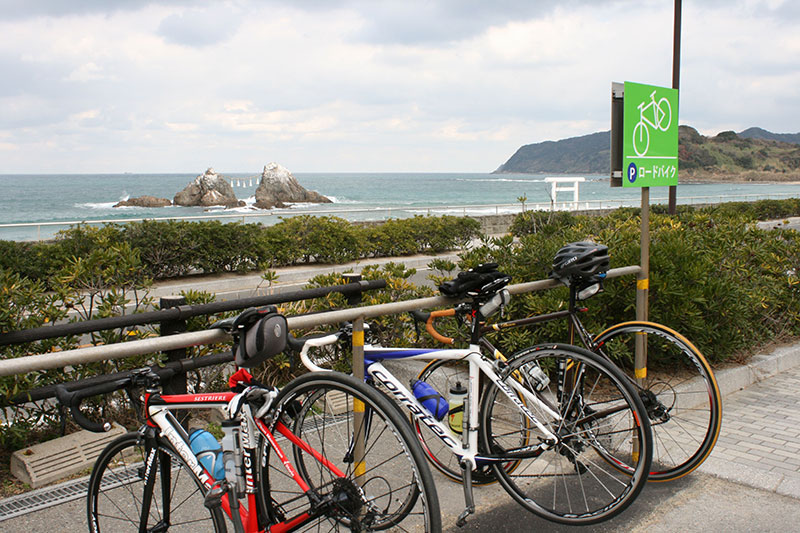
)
(73, 399)
(302, 346)
(429, 318)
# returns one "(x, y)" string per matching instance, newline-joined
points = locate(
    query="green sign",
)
(650, 136)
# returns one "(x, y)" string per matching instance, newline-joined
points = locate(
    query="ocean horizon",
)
(63, 198)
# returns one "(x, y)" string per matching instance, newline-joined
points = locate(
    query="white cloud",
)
(358, 85)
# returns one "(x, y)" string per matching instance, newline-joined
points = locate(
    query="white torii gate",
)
(555, 188)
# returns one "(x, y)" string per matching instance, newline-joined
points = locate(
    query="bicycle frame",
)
(465, 445)
(575, 326)
(159, 417)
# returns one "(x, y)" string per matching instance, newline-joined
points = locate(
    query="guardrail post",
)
(176, 385)
(358, 373)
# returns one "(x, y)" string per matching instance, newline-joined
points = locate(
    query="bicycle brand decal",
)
(418, 412)
(247, 446)
(650, 136)
(182, 448)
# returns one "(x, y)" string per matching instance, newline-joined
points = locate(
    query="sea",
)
(38, 206)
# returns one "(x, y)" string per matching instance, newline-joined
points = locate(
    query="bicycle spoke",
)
(591, 471)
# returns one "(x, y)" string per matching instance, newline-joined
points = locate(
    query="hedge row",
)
(714, 276)
(177, 248)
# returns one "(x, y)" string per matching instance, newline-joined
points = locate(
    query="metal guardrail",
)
(32, 363)
(373, 214)
(180, 312)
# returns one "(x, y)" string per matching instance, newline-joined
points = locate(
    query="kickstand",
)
(466, 476)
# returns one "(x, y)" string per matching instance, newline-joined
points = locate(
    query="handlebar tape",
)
(73, 401)
(435, 334)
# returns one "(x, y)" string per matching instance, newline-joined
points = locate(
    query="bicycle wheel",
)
(599, 419)
(681, 395)
(391, 487)
(443, 376)
(116, 491)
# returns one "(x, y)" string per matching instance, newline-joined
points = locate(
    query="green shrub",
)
(321, 239)
(166, 248)
(393, 238)
(714, 276)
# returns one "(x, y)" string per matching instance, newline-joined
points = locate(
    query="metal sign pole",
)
(676, 75)
(642, 288)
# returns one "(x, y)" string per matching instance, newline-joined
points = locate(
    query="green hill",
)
(754, 154)
(758, 133)
(589, 154)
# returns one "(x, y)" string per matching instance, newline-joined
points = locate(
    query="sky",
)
(92, 86)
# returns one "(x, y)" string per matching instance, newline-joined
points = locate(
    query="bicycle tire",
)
(395, 480)
(683, 400)
(443, 375)
(116, 490)
(602, 419)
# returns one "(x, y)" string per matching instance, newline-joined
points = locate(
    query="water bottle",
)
(208, 452)
(434, 402)
(458, 393)
(537, 377)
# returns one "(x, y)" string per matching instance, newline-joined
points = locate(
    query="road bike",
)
(681, 397)
(288, 455)
(661, 119)
(559, 427)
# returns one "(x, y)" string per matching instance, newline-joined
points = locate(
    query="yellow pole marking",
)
(358, 338)
(643, 284)
(358, 406)
(360, 468)
(641, 373)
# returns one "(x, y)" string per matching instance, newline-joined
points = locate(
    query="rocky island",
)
(208, 189)
(144, 201)
(279, 187)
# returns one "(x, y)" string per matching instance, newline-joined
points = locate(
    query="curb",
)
(761, 367)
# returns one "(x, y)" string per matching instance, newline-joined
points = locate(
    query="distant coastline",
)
(721, 177)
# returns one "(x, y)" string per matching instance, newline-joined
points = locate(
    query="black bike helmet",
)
(580, 261)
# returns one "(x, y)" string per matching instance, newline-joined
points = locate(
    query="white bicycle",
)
(559, 427)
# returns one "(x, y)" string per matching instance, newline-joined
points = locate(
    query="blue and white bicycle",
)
(559, 427)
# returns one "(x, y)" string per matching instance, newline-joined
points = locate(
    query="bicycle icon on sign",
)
(660, 118)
